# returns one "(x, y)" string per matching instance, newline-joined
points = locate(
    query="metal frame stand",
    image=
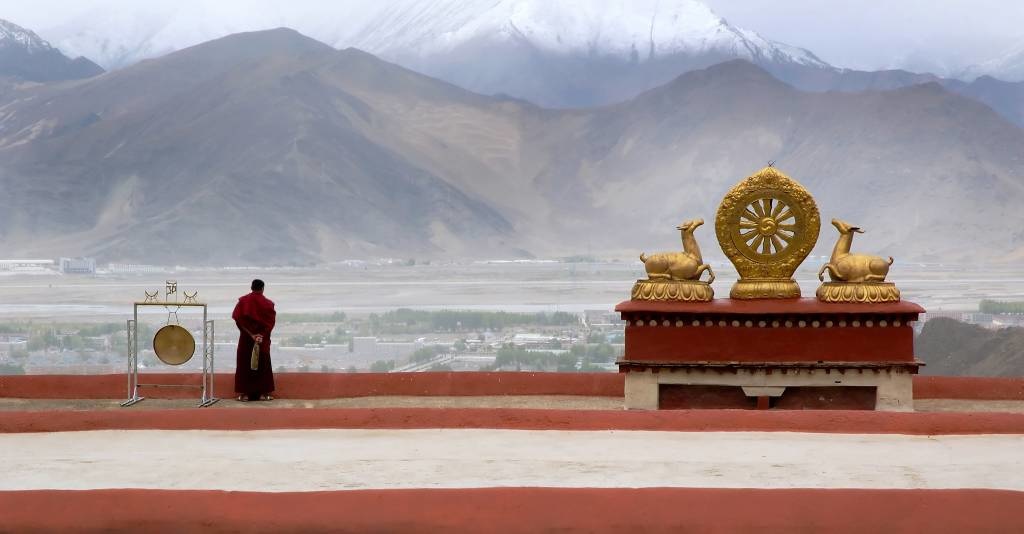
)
(206, 397)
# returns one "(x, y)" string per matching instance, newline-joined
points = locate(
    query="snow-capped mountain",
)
(117, 33)
(14, 36)
(25, 55)
(629, 29)
(540, 50)
(570, 53)
(643, 29)
(1008, 67)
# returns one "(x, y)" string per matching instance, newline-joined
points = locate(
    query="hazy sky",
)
(873, 34)
(938, 35)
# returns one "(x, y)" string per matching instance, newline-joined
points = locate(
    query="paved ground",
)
(315, 460)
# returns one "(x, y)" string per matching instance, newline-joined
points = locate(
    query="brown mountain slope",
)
(1006, 98)
(929, 174)
(950, 347)
(232, 150)
(271, 147)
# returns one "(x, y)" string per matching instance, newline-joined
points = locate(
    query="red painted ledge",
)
(345, 385)
(812, 421)
(322, 385)
(509, 510)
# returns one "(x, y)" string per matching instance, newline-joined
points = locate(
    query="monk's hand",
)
(258, 338)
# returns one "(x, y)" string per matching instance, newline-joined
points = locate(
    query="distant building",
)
(398, 350)
(77, 265)
(1007, 321)
(601, 318)
(364, 345)
(13, 343)
(535, 341)
(371, 347)
(26, 265)
(978, 318)
(955, 315)
(133, 268)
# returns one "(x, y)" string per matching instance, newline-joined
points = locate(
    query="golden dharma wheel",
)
(174, 345)
(767, 225)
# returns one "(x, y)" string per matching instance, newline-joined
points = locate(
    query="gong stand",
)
(206, 396)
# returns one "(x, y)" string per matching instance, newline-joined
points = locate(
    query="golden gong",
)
(767, 225)
(174, 345)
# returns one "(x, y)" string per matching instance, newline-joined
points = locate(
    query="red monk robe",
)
(255, 316)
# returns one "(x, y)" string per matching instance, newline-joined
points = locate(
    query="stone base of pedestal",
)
(892, 380)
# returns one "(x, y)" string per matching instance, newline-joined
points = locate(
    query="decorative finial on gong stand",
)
(171, 289)
(151, 297)
(190, 298)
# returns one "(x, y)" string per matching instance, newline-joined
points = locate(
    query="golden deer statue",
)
(686, 265)
(853, 268)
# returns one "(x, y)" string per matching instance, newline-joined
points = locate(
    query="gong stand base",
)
(133, 400)
(202, 404)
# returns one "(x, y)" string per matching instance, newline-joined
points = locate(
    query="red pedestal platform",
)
(765, 346)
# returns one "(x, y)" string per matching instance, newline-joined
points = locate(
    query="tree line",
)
(404, 320)
(997, 307)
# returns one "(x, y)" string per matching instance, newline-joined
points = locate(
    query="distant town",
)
(401, 340)
(396, 338)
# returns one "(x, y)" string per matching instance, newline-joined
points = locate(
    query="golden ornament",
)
(675, 276)
(767, 225)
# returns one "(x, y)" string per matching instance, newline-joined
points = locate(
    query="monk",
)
(254, 315)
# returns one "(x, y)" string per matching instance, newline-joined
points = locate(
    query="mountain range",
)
(271, 147)
(25, 56)
(562, 54)
(1009, 66)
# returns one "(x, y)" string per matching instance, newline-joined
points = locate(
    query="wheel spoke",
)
(785, 225)
(778, 209)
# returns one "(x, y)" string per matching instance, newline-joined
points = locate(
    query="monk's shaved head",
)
(257, 285)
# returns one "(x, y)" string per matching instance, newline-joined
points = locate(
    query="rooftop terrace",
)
(499, 452)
